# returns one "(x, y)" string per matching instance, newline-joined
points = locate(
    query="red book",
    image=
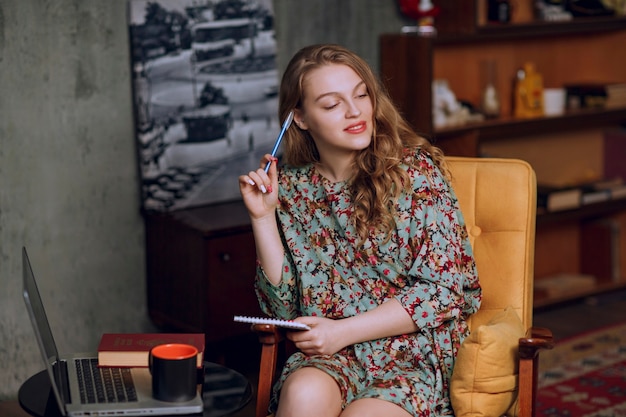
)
(131, 349)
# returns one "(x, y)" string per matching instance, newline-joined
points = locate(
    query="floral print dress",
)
(426, 264)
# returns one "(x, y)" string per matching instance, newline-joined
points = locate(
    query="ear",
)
(298, 119)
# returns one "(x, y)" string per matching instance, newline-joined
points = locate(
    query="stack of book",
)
(132, 349)
(596, 95)
(616, 95)
(613, 189)
(557, 198)
(553, 198)
(564, 284)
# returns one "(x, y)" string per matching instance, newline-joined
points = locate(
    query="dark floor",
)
(565, 320)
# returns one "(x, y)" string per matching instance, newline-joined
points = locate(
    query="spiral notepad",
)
(276, 322)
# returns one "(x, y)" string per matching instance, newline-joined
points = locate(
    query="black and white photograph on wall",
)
(205, 95)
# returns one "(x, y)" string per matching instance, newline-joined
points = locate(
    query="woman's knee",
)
(309, 391)
(373, 407)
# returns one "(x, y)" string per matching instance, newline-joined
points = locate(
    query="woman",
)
(359, 236)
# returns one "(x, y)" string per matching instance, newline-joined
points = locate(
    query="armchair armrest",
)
(268, 333)
(536, 339)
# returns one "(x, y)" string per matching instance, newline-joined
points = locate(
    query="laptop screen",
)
(41, 326)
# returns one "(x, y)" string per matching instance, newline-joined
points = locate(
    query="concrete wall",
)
(68, 178)
(68, 174)
(355, 24)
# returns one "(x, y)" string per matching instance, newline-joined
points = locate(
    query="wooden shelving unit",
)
(508, 127)
(590, 211)
(581, 50)
(536, 29)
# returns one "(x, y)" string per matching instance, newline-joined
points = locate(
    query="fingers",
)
(260, 178)
(301, 336)
(269, 159)
(311, 347)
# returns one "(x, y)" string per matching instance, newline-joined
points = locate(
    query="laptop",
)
(132, 390)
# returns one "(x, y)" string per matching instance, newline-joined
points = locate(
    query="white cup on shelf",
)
(553, 101)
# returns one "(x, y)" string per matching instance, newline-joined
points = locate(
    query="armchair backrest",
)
(498, 202)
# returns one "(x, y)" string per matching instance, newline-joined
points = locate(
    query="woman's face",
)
(336, 110)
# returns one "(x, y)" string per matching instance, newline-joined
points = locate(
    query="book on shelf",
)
(564, 284)
(595, 95)
(618, 192)
(557, 198)
(553, 198)
(595, 192)
(616, 95)
(613, 189)
(132, 349)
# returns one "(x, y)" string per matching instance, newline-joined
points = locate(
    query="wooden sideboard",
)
(200, 271)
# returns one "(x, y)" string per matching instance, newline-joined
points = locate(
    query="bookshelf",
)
(564, 146)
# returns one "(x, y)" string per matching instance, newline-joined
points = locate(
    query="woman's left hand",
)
(324, 338)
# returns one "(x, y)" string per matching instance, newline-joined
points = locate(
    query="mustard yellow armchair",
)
(496, 368)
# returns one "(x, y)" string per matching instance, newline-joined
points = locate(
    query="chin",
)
(364, 143)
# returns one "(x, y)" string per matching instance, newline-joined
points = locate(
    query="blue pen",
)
(286, 125)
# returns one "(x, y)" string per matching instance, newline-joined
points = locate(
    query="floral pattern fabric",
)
(426, 264)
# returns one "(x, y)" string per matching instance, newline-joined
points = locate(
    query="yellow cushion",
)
(484, 379)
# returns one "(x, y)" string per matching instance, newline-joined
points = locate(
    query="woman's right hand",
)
(259, 190)
(260, 195)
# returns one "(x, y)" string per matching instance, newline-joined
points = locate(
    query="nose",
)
(353, 110)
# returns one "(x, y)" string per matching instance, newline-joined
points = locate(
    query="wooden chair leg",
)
(529, 348)
(270, 337)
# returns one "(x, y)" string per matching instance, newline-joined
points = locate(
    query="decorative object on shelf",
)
(552, 10)
(447, 110)
(499, 11)
(424, 12)
(528, 92)
(490, 105)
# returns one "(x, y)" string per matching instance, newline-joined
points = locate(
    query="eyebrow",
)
(334, 93)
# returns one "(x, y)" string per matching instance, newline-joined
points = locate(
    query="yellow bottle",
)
(528, 93)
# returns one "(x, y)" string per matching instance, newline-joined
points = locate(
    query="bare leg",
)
(309, 392)
(373, 407)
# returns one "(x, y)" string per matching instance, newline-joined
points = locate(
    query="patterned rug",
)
(584, 376)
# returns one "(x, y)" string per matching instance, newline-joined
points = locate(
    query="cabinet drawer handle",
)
(225, 257)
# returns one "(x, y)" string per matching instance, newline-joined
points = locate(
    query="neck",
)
(336, 170)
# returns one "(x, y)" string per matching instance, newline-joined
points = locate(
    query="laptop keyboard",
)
(104, 385)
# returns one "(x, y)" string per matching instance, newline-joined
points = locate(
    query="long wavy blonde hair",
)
(378, 179)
